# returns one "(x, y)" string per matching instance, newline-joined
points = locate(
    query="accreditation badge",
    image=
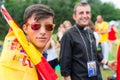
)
(92, 71)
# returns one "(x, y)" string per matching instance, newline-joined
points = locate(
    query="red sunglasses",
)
(37, 26)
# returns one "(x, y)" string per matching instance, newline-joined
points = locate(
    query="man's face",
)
(82, 15)
(38, 37)
(67, 26)
(99, 19)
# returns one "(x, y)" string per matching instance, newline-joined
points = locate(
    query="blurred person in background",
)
(112, 35)
(101, 27)
(91, 25)
(67, 24)
(60, 32)
(51, 51)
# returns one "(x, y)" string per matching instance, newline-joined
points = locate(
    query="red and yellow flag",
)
(43, 67)
(118, 62)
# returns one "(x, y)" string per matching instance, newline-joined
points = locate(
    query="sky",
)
(115, 2)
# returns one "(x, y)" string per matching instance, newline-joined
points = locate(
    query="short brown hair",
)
(80, 4)
(39, 11)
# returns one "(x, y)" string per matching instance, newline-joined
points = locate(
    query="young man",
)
(78, 48)
(38, 27)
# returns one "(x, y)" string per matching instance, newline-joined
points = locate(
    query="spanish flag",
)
(118, 62)
(43, 67)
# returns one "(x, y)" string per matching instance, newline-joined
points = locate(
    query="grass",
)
(105, 74)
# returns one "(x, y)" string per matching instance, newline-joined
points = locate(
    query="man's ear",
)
(74, 17)
(25, 28)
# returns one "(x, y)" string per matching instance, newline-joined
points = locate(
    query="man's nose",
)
(42, 29)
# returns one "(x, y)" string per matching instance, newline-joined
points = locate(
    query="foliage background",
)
(62, 8)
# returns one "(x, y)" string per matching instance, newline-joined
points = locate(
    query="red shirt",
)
(112, 34)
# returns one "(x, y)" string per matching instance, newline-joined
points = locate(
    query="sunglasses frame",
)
(40, 26)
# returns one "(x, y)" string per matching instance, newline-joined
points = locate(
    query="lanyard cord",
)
(85, 43)
(91, 47)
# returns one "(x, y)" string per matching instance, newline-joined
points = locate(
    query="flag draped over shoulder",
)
(14, 62)
(43, 67)
(118, 62)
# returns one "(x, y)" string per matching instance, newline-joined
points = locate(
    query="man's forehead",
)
(99, 17)
(83, 8)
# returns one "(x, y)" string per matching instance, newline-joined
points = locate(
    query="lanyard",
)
(86, 44)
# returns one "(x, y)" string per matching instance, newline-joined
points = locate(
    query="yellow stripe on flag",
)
(32, 52)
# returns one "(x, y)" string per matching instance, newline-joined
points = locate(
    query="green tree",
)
(16, 9)
(109, 12)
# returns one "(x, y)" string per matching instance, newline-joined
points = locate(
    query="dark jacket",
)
(73, 55)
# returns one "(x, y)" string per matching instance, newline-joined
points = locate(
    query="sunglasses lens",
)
(49, 27)
(35, 26)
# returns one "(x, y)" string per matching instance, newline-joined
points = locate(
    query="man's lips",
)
(41, 38)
